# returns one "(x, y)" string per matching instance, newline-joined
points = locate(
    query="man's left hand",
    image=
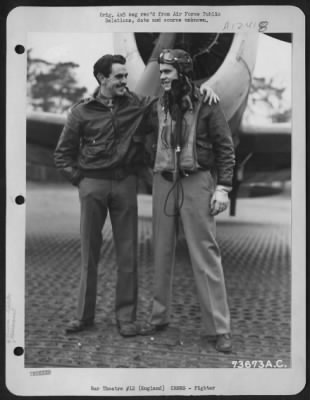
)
(209, 94)
(219, 202)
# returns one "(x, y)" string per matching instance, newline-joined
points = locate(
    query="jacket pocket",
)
(205, 154)
(205, 145)
(94, 151)
(138, 139)
(209, 183)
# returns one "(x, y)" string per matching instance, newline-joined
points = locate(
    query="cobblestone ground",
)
(256, 257)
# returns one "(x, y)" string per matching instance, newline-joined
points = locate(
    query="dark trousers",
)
(119, 197)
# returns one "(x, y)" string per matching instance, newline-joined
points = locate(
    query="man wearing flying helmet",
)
(193, 169)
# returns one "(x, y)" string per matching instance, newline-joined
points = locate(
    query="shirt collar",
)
(116, 99)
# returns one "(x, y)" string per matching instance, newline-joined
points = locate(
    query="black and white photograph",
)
(159, 183)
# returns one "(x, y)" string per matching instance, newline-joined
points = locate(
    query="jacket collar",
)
(116, 99)
(191, 101)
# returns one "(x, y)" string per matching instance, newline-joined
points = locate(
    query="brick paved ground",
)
(256, 256)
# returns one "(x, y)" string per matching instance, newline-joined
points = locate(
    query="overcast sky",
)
(273, 56)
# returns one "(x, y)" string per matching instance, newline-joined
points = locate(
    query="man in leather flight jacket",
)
(100, 150)
(193, 144)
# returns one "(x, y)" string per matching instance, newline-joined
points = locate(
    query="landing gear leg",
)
(234, 192)
(237, 180)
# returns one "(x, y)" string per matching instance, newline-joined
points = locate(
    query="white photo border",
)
(72, 381)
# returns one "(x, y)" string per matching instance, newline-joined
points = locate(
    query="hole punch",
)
(19, 49)
(19, 199)
(19, 351)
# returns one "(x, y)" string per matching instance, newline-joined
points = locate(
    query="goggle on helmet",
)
(180, 59)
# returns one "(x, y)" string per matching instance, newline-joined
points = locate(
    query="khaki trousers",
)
(199, 230)
(119, 197)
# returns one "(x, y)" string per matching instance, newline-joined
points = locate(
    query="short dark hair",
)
(104, 64)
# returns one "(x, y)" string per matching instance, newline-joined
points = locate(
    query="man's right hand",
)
(219, 202)
(209, 94)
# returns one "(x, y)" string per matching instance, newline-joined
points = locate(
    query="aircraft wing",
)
(264, 152)
(43, 131)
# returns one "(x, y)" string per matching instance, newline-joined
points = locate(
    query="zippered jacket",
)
(97, 139)
(213, 145)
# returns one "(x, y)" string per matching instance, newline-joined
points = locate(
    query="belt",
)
(115, 173)
(170, 176)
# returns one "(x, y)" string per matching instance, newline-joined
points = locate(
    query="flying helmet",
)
(180, 59)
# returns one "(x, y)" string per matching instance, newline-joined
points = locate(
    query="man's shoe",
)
(127, 329)
(151, 329)
(224, 343)
(79, 325)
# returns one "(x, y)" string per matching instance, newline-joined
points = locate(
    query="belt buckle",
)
(167, 175)
(185, 173)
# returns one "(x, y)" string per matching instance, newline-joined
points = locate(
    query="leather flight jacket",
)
(99, 141)
(207, 137)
